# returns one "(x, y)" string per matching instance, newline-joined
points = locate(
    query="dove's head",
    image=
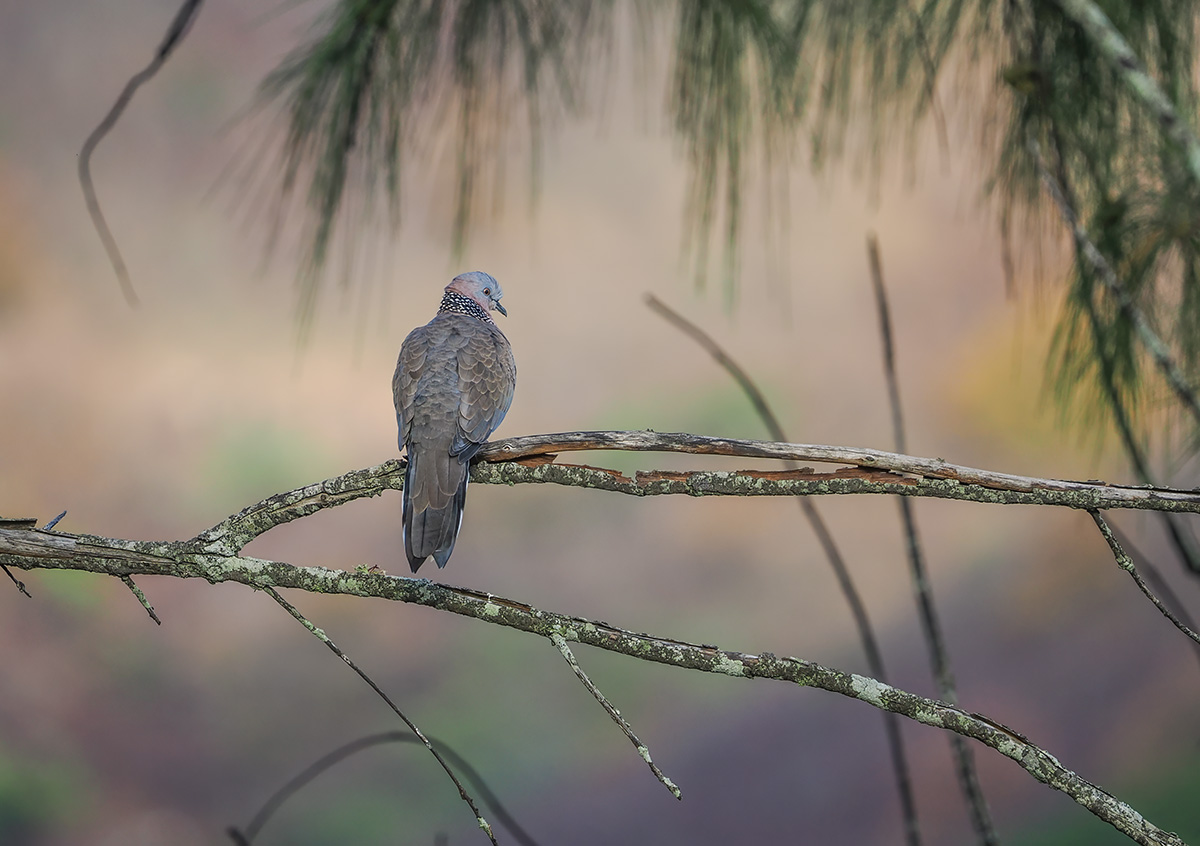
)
(480, 287)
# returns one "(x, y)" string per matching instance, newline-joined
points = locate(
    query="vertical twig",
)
(324, 638)
(175, 33)
(866, 634)
(968, 776)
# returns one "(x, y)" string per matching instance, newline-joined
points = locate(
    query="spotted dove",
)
(453, 385)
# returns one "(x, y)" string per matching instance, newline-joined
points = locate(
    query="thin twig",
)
(858, 609)
(1126, 564)
(324, 638)
(54, 522)
(175, 34)
(20, 584)
(931, 627)
(1155, 579)
(1104, 271)
(642, 749)
(112, 556)
(294, 785)
(141, 597)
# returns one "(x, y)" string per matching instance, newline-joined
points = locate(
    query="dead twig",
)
(642, 749)
(1126, 564)
(324, 638)
(175, 33)
(246, 836)
(141, 597)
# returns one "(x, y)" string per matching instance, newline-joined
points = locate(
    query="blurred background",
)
(157, 422)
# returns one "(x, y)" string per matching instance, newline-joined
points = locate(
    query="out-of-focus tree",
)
(755, 85)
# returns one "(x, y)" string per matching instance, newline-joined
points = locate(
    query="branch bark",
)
(530, 459)
(31, 549)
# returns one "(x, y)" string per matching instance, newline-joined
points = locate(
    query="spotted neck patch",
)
(455, 303)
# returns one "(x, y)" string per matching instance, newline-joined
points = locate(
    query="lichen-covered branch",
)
(30, 549)
(530, 459)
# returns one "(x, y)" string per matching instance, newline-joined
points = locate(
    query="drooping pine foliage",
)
(383, 83)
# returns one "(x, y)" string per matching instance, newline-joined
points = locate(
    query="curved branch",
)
(506, 462)
(332, 759)
(31, 549)
(180, 25)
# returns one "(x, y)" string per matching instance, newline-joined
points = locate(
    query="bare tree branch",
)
(642, 749)
(175, 33)
(34, 549)
(931, 627)
(324, 638)
(841, 571)
(871, 471)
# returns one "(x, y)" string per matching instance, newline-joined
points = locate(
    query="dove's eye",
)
(487, 291)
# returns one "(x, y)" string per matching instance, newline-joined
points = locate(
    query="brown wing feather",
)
(486, 380)
(453, 384)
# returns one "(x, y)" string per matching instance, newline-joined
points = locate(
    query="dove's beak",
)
(500, 308)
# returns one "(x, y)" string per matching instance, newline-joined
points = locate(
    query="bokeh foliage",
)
(754, 85)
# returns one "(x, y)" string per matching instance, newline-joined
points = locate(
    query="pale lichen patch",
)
(729, 666)
(868, 690)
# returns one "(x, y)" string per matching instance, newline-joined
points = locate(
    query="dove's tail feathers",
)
(431, 525)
